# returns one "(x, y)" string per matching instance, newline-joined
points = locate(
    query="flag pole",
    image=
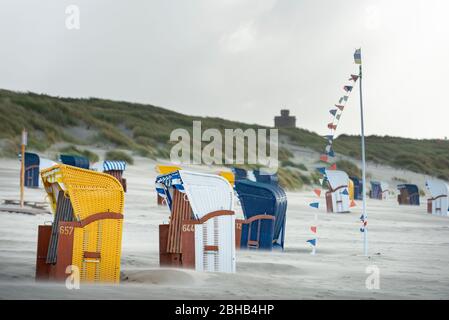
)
(365, 216)
(22, 166)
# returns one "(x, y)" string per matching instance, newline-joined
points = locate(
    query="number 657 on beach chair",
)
(86, 232)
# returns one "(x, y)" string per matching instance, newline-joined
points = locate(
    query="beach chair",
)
(408, 194)
(264, 207)
(201, 230)
(337, 198)
(240, 174)
(74, 161)
(228, 176)
(351, 189)
(438, 204)
(264, 177)
(162, 170)
(256, 232)
(358, 188)
(379, 190)
(87, 227)
(32, 162)
(114, 168)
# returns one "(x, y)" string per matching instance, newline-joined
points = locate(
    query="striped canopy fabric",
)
(109, 165)
(75, 161)
(165, 182)
(206, 193)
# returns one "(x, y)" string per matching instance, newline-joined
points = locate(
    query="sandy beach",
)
(409, 246)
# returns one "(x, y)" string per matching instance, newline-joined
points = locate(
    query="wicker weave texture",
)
(91, 193)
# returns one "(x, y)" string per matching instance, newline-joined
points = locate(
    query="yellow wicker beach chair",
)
(351, 189)
(161, 169)
(228, 175)
(87, 229)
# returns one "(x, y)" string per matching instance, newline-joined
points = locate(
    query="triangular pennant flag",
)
(332, 126)
(345, 98)
(333, 167)
(331, 153)
(362, 230)
(354, 77)
(321, 182)
(312, 242)
(313, 229)
(358, 56)
(338, 116)
(328, 148)
(322, 170)
(345, 192)
(347, 88)
(333, 112)
(324, 158)
(340, 107)
(315, 205)
(353, 204)
(317, 192)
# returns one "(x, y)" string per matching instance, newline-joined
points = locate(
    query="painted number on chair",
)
(188, 228)
(66, 230)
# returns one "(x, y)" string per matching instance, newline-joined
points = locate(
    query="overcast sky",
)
(240, 59)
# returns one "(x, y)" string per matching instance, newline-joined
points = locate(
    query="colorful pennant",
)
(315, 205)
(358, 56)
(324, 158)
(329, 152)
(364, 223)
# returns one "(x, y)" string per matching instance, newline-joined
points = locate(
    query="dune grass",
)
(73, 150)
(119, 156)
(145, 130)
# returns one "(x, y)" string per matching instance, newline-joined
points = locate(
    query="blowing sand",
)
(410, 248)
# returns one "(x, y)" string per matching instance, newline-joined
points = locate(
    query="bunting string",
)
(336, 113)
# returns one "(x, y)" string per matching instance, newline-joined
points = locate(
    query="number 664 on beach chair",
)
(86, 233)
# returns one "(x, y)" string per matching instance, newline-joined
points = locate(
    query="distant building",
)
(285, 120)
